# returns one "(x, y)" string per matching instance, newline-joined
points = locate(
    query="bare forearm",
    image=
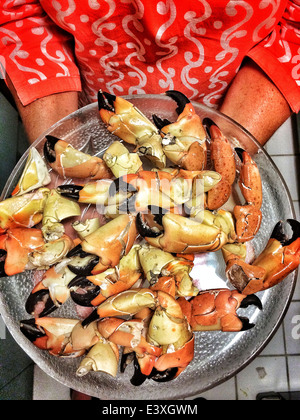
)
(254, 102)
(43, 113)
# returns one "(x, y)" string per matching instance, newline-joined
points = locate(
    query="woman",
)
(242, 57)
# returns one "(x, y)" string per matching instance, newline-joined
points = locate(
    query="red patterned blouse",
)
(147, 46)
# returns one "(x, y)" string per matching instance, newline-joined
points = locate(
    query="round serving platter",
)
(218, 356)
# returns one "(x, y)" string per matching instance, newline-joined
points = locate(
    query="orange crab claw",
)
(129, 335)
(249, 216)
(167, 272)
(183, 235)
(222, 156)
(128, 302)
(52, 334)
(124, 120)
(69, 162)
(50, 293)
(216, 310)
(250, 180)
(19, 243)
(184, 141)
(93, 290)
(23, 211)
(280, 257)
(165, 284)
(248, 221)
(179, 359)
(111, 241)
(124, 333)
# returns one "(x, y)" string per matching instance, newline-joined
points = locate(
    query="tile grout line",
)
(286, 357)
(236, 388)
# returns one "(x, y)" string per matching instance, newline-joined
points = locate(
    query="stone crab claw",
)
(96, 192)
(169, 189)
(248, 216)
(181, 235)
(23, 211)
(223, 159)
(158, 264)
(60, 336)
(50, 293)
(102, 357)
(216, 310)
(126, 333)
(136, 192)
(34, 175)
(143, 353)
(184, 141)
(93, 290)
(53, 290)
(57, 209)
(110, 242)
(50, 253)
(168, 328)
(280, 257)
(86, 227)
(172, 363)
(127, 122)
(18, 244)
(128, 302)
(69, 162)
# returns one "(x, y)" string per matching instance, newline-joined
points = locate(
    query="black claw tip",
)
(144, 230)
(77, 251)
(251, 300)
(36, 299)
(89, 291)
(49, 148)
(83, 266)
(282, 234)
(128, 206)
(70, 191)
(208, 123)
(179, 98)
(239, 151)
(126, 359)
(3, 254)
(31, 330)
(159, 123)
(158, 213)
(120, 185)
(106, 101)
(91, 318)
(138, 377)
(165, 376)
(246, 324)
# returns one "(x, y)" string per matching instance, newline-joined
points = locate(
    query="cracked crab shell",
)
(23, 211)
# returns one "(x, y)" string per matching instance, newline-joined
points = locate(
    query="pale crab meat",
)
(34, 175)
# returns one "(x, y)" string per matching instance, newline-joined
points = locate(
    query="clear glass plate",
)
(218, 356)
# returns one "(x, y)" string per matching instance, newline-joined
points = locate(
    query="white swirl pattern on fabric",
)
(142, 46)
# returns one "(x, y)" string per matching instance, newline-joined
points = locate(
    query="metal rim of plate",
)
(218, 356)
